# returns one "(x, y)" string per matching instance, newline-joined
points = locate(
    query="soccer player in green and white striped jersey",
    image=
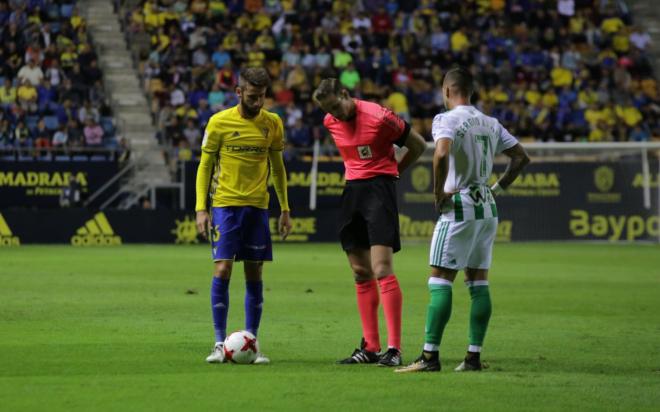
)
(466, 141)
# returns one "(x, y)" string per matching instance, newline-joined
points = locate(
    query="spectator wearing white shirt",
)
(361, 21)
(351, 41)
(88, 112)
(639, 38)
(60, 137)
(566, 8)
(177, 97)
(32, 73)
(293, 114)
(46, 35)
(54, 73)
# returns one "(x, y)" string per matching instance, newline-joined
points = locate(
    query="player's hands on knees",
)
(203, 223)
(284, 225)
(441, 198)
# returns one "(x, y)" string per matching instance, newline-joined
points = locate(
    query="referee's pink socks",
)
(367, 300)
(392, 299)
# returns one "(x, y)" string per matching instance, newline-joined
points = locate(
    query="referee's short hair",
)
(255, 76)
(460, 80)
(327, 87)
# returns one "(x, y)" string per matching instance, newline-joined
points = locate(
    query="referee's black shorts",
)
(369, 214)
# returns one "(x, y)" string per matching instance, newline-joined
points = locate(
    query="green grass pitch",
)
(574, 326)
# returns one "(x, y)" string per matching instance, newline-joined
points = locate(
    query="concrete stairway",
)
(128, 99)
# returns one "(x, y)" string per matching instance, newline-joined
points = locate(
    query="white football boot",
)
(261, 359)
(218, 354)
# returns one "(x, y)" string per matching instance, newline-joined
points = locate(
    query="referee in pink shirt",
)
(365, 132)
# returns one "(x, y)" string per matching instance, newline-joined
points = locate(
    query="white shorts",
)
(469, 243)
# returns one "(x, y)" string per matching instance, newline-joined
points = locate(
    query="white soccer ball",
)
(241, 347)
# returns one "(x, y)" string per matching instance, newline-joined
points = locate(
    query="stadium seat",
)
(108, 126)
(53, 12)
(31, 122)
(62, 158)
(79, 158)
(55, 27)
(110, 143)
(22, 158)
(66, 10)
(54, 107)
(98, 158)
(8, 158)
(51, 122)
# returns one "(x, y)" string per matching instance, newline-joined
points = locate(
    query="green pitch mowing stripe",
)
(127, 328)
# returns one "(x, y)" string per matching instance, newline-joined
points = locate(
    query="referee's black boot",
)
(361, 356)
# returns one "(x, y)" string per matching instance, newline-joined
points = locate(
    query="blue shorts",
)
(240, 233)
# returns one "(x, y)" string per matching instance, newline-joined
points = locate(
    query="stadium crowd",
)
(52, 99)
(566, 70)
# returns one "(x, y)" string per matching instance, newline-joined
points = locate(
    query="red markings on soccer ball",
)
(250, 344)
(229, 354)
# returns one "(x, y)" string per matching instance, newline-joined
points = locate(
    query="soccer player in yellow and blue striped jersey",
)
(242, 144)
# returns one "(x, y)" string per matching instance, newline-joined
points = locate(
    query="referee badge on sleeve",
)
(364, 152)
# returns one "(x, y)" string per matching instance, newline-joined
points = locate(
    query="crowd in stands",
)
(550, 70)
(52, 99)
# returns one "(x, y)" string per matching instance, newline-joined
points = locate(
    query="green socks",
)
(439, 311)
(480, 311)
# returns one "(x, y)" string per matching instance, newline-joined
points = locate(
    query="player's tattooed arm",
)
(518, 159)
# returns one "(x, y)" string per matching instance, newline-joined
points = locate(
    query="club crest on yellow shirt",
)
(264, 131)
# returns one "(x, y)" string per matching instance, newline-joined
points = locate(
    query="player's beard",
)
(250, 111)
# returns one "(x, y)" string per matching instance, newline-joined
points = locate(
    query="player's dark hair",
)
(460, 80)
(327, 87)
(255, 76)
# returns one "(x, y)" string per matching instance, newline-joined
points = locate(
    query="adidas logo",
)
(96, 232)
(236, 134)
(6, 237)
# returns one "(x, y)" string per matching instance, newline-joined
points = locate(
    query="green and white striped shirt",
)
(477, 138)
